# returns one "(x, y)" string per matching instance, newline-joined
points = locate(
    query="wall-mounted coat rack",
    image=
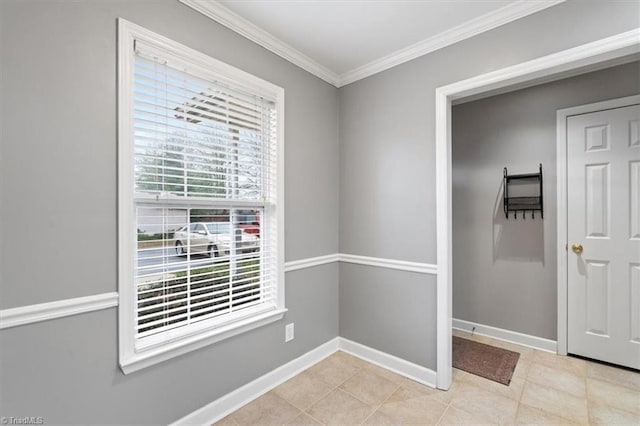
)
(527, 202)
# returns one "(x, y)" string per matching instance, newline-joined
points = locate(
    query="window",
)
(200, 199)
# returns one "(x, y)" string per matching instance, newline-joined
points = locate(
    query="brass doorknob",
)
(577, 248)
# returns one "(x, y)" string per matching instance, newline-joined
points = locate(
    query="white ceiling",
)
(344, 40)
(344, 35)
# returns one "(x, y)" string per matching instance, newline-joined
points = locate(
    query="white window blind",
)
(205, 187)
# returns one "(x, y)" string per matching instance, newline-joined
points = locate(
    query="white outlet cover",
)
(288, 332)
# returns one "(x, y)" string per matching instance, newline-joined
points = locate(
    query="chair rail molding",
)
(30, 314)
(402, 265)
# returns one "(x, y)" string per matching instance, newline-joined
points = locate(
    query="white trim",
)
(563, 208)
(29, 314)
(403, 367)
(403, 265)
(225, 405)
(155, 355)
(561, 231)
(13, 317)
(444, 242)
(471, 28)
(589, 54)
(521, 339)
(295, 265)
(134, 357)
(609, 48)
(235, 22)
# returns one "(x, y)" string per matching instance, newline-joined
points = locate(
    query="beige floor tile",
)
(557, 378)
(522, 368)
(337, 368)
(448, 395)
(383, 372)
(576, 366)
(381, 419)
(227, 421)
(484, 404)
(513, 390)
(617, 376)
(421, 410)
(350, 359)
(304, 419)
(555, 402)
(605, 393)
(303, 390)
(403, 393)
(602, 414)
(369, 387)
(456, 416)
(269, 409)
(340, 408)
(402, 381)
(534, 416)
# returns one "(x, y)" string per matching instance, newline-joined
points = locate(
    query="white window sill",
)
(170, 350)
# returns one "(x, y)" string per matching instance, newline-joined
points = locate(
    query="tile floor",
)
(545, 389)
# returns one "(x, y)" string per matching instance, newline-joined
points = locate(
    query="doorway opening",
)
(600, 54)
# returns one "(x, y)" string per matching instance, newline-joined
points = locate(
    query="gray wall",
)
(504, 271)
(383, 308)
(58, 215)
(387, 133)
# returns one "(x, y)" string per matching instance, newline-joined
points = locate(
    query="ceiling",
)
(344, 40)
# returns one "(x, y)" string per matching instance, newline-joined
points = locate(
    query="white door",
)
(603, 224)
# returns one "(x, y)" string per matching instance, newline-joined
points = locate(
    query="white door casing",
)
(603, 216)
(592, 54)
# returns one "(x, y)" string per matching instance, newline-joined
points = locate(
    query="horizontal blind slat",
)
(200, 138)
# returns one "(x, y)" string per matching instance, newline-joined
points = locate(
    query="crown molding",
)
(473, 27)
(235, 22)
(504, 15)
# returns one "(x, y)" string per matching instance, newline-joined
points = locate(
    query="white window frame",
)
(132, 359)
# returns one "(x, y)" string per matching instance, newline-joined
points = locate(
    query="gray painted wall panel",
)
(504, 271)
(384, 309)
(66, 370)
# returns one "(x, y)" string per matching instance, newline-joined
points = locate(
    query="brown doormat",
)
(486, 361)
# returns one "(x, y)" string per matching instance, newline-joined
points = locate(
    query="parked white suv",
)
(212, 238)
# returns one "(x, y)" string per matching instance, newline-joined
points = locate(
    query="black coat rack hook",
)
(530, 202)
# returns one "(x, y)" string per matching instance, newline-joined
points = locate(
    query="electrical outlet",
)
(288, 332)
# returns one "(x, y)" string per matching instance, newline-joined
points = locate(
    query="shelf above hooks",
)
(529, 202)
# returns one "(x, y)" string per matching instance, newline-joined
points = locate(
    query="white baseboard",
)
(405, 368)
(507, 335)
(230, 402)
